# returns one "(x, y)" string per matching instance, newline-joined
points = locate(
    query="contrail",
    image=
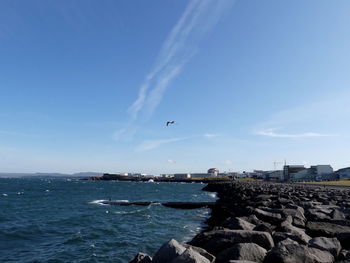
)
(199, 17)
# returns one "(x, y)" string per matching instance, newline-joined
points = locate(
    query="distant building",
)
(290, 170)
(202, 175)
(315, 172)
(213, 172)
(322, 169)
(167, 175)
(276, 175)
(182, 176)
(343, 173)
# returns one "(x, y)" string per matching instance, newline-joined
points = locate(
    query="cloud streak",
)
(272, 133)
(152, 144)
(199, 17)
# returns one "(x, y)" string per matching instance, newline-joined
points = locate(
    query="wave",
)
(129, 212)
(102, 202)
(213, 195)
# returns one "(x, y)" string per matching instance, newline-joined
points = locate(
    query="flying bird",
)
(170, 122)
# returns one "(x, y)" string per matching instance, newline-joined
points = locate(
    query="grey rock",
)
(201, 251)
(317, 215)
(141, 258)
(292, 253)
(280, 236)
(168, 252)
(242, 251)
(338, 215)
(238, 223)
(326, 229)
(262, 239)
(273, 218)
(189, 256)
(331, 245)
(287, 242)
(264, 228)
(289, 228)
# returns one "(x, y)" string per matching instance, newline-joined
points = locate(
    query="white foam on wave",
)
(97, 202)
(101, 202)
(4, 194)
(213, 195)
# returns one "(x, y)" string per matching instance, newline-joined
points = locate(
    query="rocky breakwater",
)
(268, 222)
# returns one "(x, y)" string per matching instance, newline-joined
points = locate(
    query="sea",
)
(46, 219)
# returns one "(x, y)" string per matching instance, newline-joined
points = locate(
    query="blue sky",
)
(88, 85)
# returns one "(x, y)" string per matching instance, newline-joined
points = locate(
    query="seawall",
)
(268, 222)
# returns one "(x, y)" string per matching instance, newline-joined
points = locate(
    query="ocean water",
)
(63, 220)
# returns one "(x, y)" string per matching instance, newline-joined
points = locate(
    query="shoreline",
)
(267, 222)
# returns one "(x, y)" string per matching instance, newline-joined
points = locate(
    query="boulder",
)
(189, 256)
(287, 242)
(264, 228)
(286, 226)
(272, 218)
(338, 215)
(292, 253)
(326, 229)
(238, 223)
(280, 236)
(141, 258)
(231, 237)
(331, 245)
(242, 251)
(317, 215)
(201, 251)
(168, 252)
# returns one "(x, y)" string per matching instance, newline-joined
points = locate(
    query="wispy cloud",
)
(171, 161)
(152, 144)
(210, 135)
(147, 145)
(272, 133)
(199, 17)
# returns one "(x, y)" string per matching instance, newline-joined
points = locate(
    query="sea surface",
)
(62, 219)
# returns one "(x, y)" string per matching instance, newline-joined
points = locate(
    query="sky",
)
(88, 85)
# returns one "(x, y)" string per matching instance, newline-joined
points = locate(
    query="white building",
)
(213, 172)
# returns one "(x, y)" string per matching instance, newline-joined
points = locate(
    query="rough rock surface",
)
(141, 258)
(232, 237)
(292, 222)
(291, 253)
(168, 252)
(331, 245)
(242, 251)
(190, 256)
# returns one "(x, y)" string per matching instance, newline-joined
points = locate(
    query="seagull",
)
(170, 122)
